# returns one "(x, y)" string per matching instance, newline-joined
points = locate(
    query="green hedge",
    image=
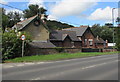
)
(12, 45)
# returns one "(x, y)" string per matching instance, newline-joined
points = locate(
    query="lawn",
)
(57, 56)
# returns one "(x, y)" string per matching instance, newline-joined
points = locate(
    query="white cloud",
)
(50, 17)
(103, 14)
(3, 2)
(13, 10)
(38, 2)
(71, 7)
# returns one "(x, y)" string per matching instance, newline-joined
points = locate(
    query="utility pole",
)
(113, 27)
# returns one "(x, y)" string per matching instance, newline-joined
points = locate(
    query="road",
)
(91, 68)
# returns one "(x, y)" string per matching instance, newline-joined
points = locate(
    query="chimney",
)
(97, 37)
(43, 18)
(106, 43)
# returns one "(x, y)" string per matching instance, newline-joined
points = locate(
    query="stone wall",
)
(108, 50)
(45, 51)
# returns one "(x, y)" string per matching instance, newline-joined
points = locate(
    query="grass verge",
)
(59, 56)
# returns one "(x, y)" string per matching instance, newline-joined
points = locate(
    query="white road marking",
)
(23, 64)
(68, 71)
(19, 65)
(40, 62)
(93, 66)
(7, 66)
(29, 63)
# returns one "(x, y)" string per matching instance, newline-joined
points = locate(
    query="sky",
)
(73, 12)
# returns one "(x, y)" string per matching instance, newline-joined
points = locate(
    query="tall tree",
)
(14, 17)
(33, 10)
(103, 31)
(5, 19)
(118, 33)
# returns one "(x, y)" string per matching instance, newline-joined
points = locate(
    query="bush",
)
(12, 45)
(118, 39)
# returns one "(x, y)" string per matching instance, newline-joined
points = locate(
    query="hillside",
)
(55, 25)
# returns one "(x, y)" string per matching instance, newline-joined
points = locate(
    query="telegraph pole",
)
(113, 26)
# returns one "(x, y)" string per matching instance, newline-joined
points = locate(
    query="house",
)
(35, 27)
(84, 34)
(100, 43)
(38, 30)
(66, 39)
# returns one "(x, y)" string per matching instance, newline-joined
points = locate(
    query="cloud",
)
(3, 2)
(50, 17)
(71, 7)
(38, 2)
(13, 10)
(103, 14)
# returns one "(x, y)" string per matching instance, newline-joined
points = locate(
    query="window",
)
(90, 42)
(85, 41)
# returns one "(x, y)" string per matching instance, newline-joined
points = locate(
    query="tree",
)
(14, 17)
(109, 24)
(55, 25)
(33, 10)
(5, 19)
(118, 21)
(103, 31)
(12, 45)
(118, 39)
(118, 33)
(10, 19)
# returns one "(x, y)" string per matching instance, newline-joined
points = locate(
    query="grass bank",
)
(56, 56)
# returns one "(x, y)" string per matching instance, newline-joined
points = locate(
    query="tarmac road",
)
(103, 67)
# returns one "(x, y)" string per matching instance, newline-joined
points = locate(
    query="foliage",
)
(5, 19)
(103, 31)
(14, 17)
(55, 25)
(57, 56)
(118, 39)
(33, 10)
(10, 19)
(12, 45)
(118, 20)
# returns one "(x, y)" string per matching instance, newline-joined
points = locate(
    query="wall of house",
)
(67, 42)
(88, 35)
(57, 43)
(100, 45)
(38, 33)
(78, 44)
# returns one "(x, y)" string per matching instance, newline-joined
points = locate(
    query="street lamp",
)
(113, 25)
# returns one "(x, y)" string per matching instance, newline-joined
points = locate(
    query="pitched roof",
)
(60, 35)
(99, 40)
(24, 23)
(79, 30)
(42, 44)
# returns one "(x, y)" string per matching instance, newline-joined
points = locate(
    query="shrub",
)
(118, 39)
(12, 45)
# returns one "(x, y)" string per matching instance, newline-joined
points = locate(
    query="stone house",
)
(38, 30)
(66, 39)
